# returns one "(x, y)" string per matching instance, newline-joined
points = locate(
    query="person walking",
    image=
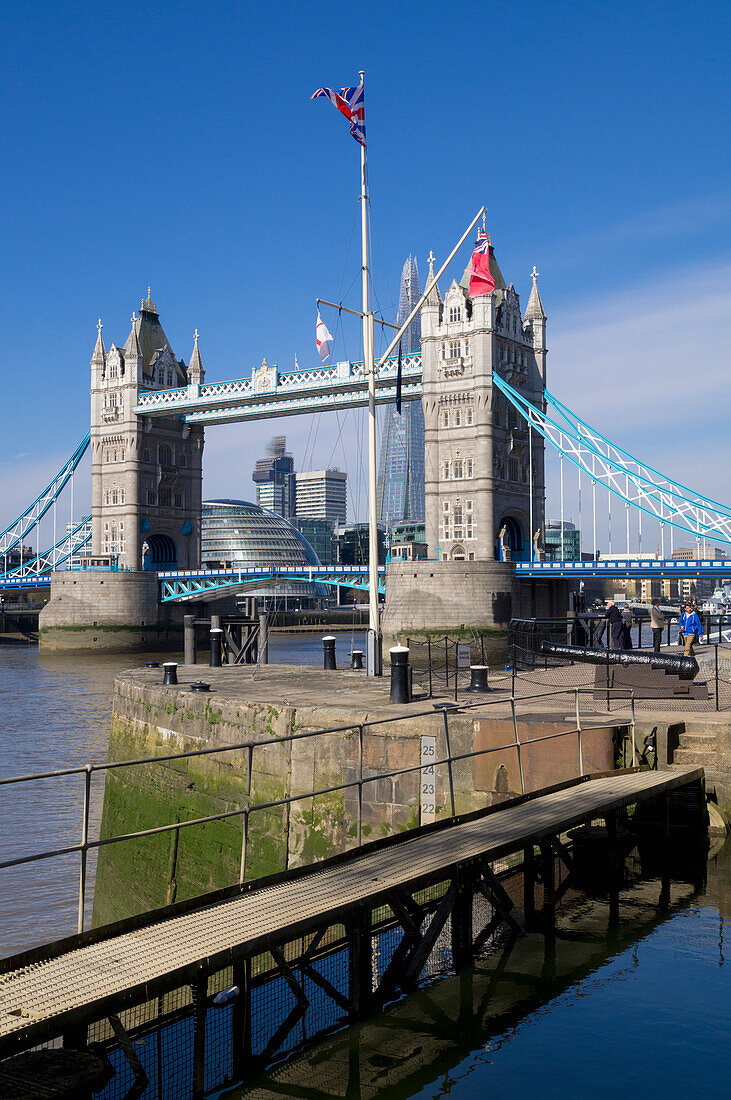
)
(691, 629)
(626, 627)
(657, 623)
(614, 619)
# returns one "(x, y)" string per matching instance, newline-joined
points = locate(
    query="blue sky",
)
(175, 145)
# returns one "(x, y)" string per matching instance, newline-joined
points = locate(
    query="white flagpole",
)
(374, 661)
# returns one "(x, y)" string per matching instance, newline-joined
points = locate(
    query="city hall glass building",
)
(400, 490)
(236, 534)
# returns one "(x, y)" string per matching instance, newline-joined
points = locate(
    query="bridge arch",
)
(159, 552)
(517, 540)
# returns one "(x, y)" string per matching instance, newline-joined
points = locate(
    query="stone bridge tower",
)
(146, 473)
(477, 465)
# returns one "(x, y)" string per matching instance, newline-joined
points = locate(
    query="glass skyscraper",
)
(401, 470)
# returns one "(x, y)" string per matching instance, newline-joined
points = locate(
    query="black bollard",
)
(356, 659)
(400, 693)
(328, 645)
(200, 685)
(152, 664)
(171, 672)
(216, 641)
(478, 679)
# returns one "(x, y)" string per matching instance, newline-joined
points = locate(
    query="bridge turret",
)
(99, 356)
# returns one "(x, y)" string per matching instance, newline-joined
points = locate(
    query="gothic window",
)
(165, 497)
(512, 469)
(468, 467)
(524, 474)
(457, 418)
(455, 314)
(170, 378)
(121, 497)
(466, 347)
(445, 506)
(445, 471)
(445, 418)
(470, 415)
(457, 468)
(150, 496)
(113, 369)
(471, 556)
(115, 496)
(178, 500)
(444, 351)
(145, 455)
(454, 349)
(165, 454)
(457, 521)
(458, 553)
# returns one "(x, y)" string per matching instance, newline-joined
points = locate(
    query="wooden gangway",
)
(61, 988)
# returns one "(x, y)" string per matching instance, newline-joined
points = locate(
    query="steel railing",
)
(249, 747)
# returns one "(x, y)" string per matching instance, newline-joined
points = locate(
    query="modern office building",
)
(400, 490)
(321, 494)
(562, 542)
(408, 532)
(353, 542)
(237, 533)
(274, 479)
(320, 535)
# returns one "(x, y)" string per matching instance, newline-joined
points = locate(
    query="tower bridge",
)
(489, 418)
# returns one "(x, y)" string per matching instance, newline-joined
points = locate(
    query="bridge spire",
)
(195, 369)
(100, 354)
(534, 310)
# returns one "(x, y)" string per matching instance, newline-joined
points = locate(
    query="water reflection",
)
(594, 1014)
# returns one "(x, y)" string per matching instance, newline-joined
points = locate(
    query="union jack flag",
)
(350, 102)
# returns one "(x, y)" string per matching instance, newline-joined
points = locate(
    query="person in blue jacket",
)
(691, 629)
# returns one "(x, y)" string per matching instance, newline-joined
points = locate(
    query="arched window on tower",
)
(165, 454)
(455, 314)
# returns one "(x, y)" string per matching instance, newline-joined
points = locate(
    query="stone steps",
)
(706, 742)
(701, 757)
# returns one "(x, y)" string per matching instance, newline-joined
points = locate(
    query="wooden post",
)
(529, 886)
(239, 1020)
(360, 963)
(549, 890)
(462, 919)
(200, 994)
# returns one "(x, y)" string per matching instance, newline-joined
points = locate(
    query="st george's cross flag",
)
(350, 102)
(481, 281)
(323, 338)
(296, 364)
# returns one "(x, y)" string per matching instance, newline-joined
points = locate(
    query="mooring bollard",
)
(200, 685)
(216, 642)
(170, 675)
(400, 693)
(328, 645)
(152, 664)
(478, 679)
(356, 659)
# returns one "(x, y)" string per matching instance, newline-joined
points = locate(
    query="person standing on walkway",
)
(614, 618)
(626, 627)
(691, 629)
(657, 623)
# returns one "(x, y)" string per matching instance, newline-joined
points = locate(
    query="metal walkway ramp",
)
(45, 992)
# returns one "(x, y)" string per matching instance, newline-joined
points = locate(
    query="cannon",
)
(686, 668)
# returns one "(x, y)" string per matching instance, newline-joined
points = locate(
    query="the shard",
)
(401, 468)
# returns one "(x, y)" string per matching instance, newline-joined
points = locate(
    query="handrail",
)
(86, 845)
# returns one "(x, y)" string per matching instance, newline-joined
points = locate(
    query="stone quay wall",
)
(150, 720)
(117, 612)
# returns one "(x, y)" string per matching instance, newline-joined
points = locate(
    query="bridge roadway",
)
(49, 991)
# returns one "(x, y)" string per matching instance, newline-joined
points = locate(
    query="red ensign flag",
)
(481, 281)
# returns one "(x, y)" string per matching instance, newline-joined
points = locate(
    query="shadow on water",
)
(623, 994)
